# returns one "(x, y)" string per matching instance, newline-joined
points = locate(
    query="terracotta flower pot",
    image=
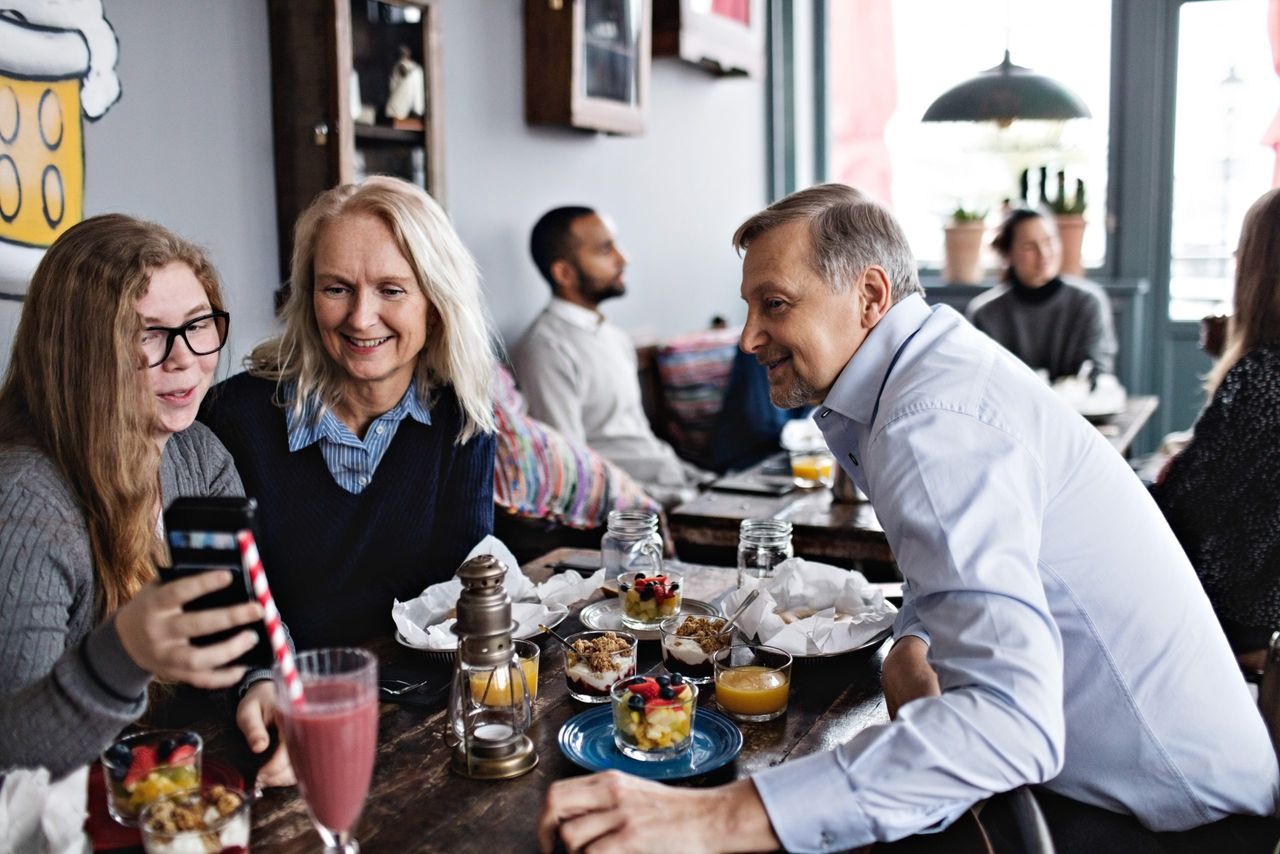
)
(1071, 233)
(962, 247)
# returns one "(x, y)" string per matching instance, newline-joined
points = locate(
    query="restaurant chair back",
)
(1031, 824)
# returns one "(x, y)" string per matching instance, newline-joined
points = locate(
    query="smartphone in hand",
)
(201, 534)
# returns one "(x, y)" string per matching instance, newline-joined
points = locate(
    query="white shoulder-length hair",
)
(458, 352)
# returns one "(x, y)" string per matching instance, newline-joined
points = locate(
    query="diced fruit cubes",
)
(649, 600)
(653, 720)
(142, 768)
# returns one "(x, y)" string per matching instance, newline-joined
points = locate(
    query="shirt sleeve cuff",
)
(788, 792)
(111, 666)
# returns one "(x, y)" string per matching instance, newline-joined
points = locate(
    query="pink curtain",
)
(1272, 136)
(737, 10)
(863, 86)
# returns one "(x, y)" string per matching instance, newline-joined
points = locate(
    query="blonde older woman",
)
(365, 431)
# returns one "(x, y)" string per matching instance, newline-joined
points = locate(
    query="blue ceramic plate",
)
(587, 739)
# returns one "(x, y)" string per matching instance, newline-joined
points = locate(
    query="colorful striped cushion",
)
(539, 473)
(693, 371)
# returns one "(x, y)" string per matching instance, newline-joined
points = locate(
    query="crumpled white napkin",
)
(848, 610)
(37, 814)
(423, 621)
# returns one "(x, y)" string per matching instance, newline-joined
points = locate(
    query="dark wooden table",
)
(416, 803)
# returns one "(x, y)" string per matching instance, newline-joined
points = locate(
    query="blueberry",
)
(666, 692)
(664, 680)
(675, 585)
(636, 703)
(646, 594)
(631, 683)
(166, 748)
(119, 756)
(189, 738)
(639, 576)
(676, 679)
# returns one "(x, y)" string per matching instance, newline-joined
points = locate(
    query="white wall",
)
(189, 145)
(676, 193)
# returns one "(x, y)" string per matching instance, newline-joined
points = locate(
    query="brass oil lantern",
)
(489, 701)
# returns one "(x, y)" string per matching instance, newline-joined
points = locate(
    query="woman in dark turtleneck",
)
(1046, 321)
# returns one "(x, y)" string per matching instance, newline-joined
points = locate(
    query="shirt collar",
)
(579, 316)
(855, 391)
(318, 422)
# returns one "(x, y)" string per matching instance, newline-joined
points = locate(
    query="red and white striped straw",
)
(275, 630)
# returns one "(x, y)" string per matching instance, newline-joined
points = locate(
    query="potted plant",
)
(1069, 214)
(962, 247)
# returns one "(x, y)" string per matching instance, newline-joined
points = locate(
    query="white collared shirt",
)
(578, 373)
(1071, 638)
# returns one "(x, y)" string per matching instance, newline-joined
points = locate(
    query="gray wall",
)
(676, 193)
(189, 144)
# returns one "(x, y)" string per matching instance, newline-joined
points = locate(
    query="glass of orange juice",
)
(497, 687)
(752, 681)
(813, 467)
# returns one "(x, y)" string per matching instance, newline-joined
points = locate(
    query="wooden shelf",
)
(382, 133)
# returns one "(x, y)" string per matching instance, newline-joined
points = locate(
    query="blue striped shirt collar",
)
(306, 429)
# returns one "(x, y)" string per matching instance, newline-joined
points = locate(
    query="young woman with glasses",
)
(116, 347)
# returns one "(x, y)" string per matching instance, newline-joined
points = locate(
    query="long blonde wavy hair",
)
(77, 388)
(460, 352)
(1256, 319)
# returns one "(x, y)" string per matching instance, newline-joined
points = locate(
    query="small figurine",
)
(408, 90)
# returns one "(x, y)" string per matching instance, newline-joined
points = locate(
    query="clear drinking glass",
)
(332, 735)
(753, 681)
(631, 543)
(762, 545)
(815, 467)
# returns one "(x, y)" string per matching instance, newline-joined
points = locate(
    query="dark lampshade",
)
(1005, 93)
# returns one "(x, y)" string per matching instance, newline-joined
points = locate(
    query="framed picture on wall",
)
(723, 36)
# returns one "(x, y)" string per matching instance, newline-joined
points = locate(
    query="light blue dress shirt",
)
(1071, 638)
(351, 460)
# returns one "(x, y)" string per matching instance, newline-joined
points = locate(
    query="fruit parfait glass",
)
(647, 600)
(653, 716)
(596, 661)
(689, 642)
(147, 766)
(215, 820)
(753, 681)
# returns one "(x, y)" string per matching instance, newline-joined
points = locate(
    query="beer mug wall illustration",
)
(41, 142)
(57, 68)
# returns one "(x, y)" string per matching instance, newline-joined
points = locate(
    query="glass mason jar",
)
(631, 543)
(762, 545)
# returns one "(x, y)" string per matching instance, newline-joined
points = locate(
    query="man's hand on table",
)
(906, 674)
(255, 714)
(617, 812)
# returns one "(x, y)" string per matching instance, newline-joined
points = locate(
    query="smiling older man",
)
(1053, 631)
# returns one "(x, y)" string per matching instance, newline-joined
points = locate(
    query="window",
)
(889, 59)
(1227, 94)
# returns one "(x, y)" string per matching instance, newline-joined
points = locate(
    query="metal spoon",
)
(733, 618)
(552, 632)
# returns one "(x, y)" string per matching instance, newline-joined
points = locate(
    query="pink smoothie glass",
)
(332, 735)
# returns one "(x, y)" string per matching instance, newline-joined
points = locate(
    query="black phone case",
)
(201, 537)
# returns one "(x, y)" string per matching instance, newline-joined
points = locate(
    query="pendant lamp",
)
(1005, 93)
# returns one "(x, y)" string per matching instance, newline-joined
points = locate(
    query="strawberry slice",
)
(182, 754)
(648, 689)
(144, 762)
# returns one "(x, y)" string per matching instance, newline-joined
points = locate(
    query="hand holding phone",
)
(159, 634)
(201, 533)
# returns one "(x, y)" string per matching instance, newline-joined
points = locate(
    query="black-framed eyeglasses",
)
(204, 335)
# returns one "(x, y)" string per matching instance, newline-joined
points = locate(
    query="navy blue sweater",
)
(336, 560)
